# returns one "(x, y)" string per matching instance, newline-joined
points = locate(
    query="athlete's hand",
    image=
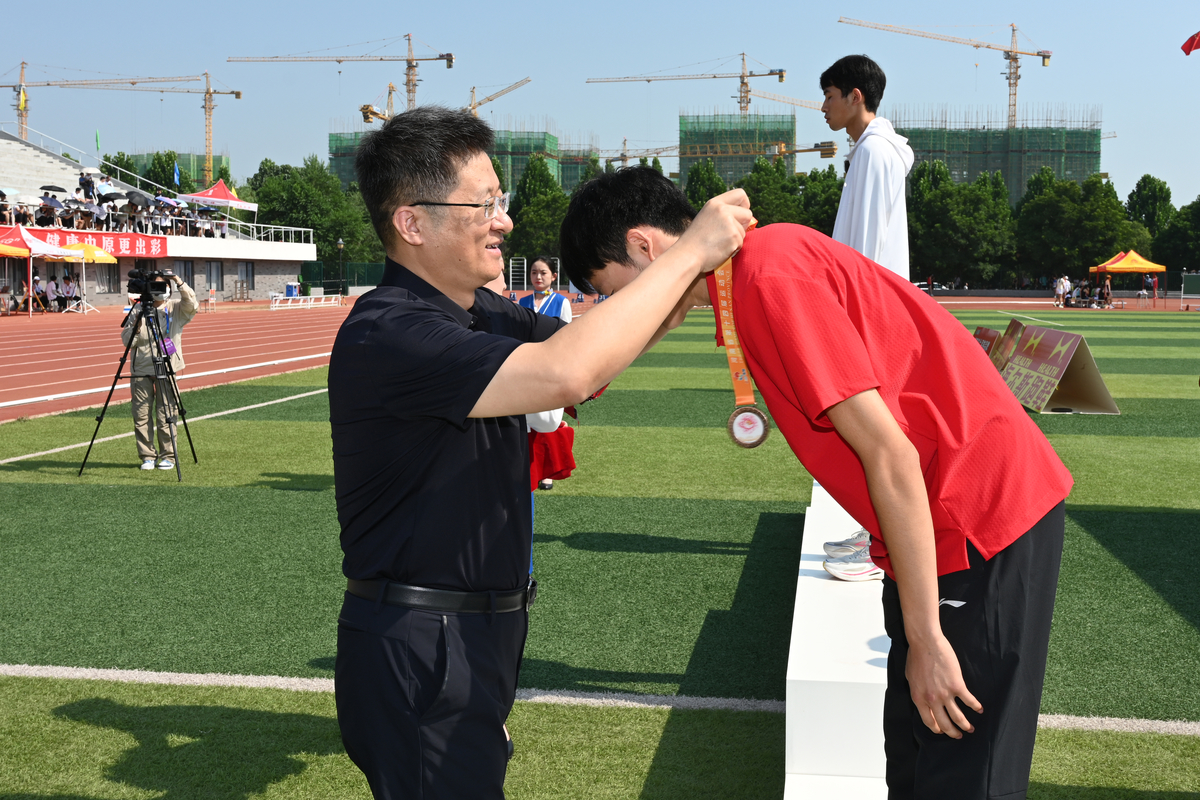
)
(935, 681)
(719, 228)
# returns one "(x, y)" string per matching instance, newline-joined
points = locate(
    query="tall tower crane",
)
(1011, 54)
(371, 113)
(208, 107)
(475, 104)
(97, 83)
(410, 68)
(743, 95)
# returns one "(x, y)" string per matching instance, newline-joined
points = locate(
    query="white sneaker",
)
(848, 547)
(148, 464)
(166, 463)
(855, 567)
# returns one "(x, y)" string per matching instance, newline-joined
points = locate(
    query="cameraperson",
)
(171, 313)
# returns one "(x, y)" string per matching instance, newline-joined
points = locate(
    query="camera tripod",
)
(166, 388)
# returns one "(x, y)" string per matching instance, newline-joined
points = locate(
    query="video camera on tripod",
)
(146, 283)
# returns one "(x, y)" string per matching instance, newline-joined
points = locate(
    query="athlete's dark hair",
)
(416, 157)
(604, 209)
(857, 72)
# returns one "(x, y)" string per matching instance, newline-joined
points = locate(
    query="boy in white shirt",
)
(872, 216)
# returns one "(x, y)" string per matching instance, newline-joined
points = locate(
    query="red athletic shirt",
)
(820, 323)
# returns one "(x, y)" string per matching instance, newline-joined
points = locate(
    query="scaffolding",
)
(732, 141)
(342, 146)
(192, 162)
(513, 150)
(974, 141)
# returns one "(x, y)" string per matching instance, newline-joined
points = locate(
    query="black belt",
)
(444, 600)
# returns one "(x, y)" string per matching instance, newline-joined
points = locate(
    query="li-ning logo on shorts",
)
(951, 603)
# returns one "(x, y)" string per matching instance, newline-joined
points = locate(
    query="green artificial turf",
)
(1139, 417)
(96, 740)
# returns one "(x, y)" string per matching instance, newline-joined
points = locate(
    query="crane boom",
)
(743, 96)
(1011, 54)
(778, 98)
(99, 81)
(475, 104)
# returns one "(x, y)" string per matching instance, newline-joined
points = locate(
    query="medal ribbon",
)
(743, 386)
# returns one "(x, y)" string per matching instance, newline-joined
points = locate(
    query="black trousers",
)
(999, 626)
(422, 698)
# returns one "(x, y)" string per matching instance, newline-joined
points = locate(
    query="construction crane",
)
(743, 95)
(475, 104)
(410, 69)
(208, 107)
(105, 83)
(778, 98)
(1011, 54)
(371, 113)
(775, 150)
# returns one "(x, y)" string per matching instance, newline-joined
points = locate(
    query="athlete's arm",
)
(897, 491)
(591, 351)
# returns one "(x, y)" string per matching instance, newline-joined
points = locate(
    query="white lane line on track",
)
(552, 697)
(190, 375)
(193, 419)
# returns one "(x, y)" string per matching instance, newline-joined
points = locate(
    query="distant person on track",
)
(872, 216)
(430, 379)
(545, 300)
(894, 408)
(172, 313)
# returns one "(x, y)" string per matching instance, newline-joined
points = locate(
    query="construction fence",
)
(331, 276)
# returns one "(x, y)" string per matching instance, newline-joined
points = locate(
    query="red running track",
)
(51, 355)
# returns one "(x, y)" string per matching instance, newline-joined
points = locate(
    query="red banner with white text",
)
(121, 245)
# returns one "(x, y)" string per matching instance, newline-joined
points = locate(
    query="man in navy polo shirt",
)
(429, 381)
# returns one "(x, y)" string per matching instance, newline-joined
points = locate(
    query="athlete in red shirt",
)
(894, 408)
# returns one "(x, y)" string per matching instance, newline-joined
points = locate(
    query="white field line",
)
(1043, 321)
(130, 433)
(553, 697)
(178, 377)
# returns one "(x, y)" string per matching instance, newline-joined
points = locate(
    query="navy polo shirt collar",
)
(400, 276)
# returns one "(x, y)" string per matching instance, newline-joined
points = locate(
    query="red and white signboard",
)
(121, 245)
(1047, 370)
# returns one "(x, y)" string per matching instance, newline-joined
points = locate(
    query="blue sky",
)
(1123, 57)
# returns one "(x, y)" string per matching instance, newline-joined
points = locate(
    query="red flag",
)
(1191, 44)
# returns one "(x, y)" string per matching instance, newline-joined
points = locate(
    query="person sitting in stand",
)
(45, 216)
(6, 214)
(544, 300)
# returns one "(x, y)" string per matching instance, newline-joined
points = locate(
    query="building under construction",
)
(733, 141)
(192, 162)
(974, 141)
(512, 148)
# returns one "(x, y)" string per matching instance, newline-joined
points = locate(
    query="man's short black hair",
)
(605, 208)
(414, 157)
(857, 72)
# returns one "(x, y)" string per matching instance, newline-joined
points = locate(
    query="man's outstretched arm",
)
(587, 354)
(898, 494)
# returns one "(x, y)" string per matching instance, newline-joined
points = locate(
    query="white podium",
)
(836, 673)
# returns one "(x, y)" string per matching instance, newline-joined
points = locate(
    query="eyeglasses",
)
(491, 207)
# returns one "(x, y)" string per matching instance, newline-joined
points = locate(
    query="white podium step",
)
(837, 672)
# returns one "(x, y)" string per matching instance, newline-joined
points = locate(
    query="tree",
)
(537, 179)
(1048, 227)
(820, 195)
(656, 165)
(538, 209)
(500, 174)
(1038, 184)
(1104, 227)
(224, 175)
(703, 183)
(1150, 204)
(590, 170)
(1177, 247)
(958, 230)
(609, 168)
(774, 194)
(162, 171)
(123, 168)
(311, 196)
(267, 169)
